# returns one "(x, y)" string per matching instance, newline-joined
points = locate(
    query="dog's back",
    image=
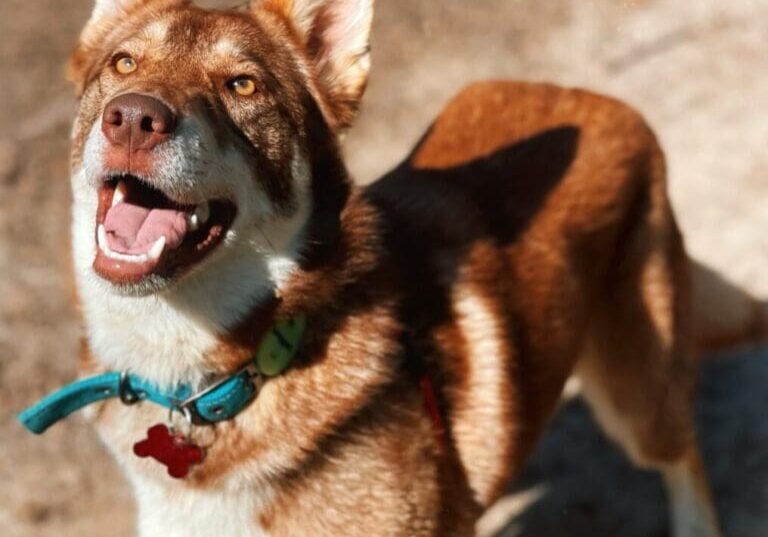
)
(506, 159)
(539, 241)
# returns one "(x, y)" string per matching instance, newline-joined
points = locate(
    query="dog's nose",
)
(137, 121)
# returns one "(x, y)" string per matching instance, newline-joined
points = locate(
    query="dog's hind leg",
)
(638, 372)
(692, 514)
(652, 424)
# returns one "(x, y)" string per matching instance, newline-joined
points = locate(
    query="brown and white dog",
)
(527, 238)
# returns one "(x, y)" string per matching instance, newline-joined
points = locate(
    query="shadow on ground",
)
(578, 484)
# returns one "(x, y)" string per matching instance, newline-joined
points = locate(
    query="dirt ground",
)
(697, 70)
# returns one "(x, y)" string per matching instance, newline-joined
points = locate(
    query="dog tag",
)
(172, 450)
(279, 346)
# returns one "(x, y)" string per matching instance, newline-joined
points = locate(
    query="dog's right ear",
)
(335, 35)
(106, 15)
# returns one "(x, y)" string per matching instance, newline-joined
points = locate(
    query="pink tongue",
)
(133, 229)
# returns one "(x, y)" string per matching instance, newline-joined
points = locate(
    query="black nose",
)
(137, 121)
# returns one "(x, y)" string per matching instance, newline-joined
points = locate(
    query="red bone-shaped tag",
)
(172, 450)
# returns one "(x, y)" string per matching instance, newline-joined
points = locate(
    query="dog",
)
(418, 331)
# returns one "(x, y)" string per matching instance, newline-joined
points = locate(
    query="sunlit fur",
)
(528, 236)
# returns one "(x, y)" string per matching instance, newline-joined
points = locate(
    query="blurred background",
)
(698, 70)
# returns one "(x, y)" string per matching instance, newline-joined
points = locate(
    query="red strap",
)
(433, 409)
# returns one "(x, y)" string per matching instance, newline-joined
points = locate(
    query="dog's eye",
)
(243, 86)
(125, 65)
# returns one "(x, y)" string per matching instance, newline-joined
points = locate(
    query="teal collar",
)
(220, 401)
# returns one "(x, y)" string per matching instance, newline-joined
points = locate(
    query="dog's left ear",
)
(336, 37)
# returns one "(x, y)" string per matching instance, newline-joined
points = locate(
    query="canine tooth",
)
(203, 212)
(119, 194)
(157, 249)
(194, 222)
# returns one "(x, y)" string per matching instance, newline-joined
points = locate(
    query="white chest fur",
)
(186, 512)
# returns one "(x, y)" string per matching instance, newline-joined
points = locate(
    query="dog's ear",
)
(335, 34)
(104, 9)
(106, 15)
(107, 12)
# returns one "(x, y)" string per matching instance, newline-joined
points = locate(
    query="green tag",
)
(280, 345)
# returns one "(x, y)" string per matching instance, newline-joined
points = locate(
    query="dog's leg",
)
(637, 369)
(691, 509)
(659, 436)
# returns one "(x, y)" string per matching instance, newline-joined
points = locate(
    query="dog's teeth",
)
(203, 212)
(154, 253)
(157, 249)
(194, 222)
(119, 194)
(128, 258)
(102, 238)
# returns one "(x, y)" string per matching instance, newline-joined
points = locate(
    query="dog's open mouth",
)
(141, 232)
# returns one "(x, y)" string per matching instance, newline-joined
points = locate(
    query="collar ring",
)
(128, 396)
(186, 414)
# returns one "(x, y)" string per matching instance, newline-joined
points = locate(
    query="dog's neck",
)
(209, 326)
(168, 338)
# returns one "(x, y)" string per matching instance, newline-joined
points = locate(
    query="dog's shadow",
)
(579, 485)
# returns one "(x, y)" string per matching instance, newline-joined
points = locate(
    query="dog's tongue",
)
(133, 229)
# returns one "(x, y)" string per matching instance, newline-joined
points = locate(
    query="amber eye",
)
(125, 65)
(243, 86)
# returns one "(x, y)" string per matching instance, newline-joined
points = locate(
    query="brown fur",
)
(530, 220)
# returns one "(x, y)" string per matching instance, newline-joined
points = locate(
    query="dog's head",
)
(207, 139)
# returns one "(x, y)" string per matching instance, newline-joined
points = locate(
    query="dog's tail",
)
(724, 314)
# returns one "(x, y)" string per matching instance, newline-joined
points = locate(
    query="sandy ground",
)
(698, 70)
